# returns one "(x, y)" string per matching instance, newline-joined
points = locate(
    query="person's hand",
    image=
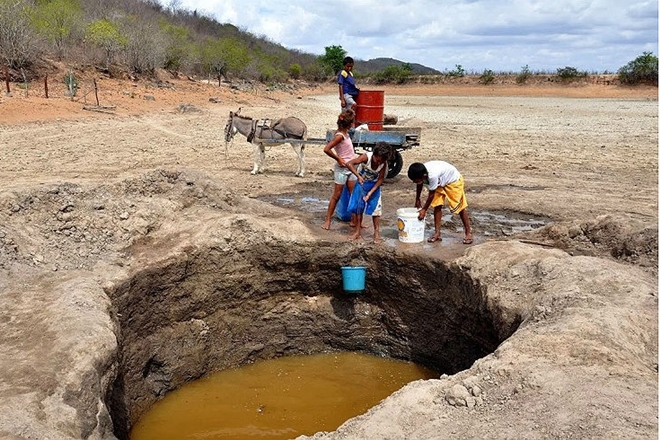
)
(418, 203)
(341, 162)
(421, 214)
(360, 180)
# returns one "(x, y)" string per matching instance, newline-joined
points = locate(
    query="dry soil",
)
(564, 176)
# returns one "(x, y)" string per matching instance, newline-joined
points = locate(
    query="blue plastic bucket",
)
(353, 278)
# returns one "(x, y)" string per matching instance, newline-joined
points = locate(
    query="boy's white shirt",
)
(441, 173)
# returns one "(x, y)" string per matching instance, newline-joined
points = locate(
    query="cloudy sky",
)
(501, 35)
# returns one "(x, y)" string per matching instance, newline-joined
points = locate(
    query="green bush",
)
(643, 69)
(315, 72)
(570, 73)
(295, 70)
(488, 77)
(458, 72)
(393, 74)
(270, 74)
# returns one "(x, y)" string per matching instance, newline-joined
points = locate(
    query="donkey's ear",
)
(238, 111)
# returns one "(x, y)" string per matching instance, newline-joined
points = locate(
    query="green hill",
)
(378, 64)
(136, 37)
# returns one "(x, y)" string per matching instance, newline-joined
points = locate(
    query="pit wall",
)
(209, 309)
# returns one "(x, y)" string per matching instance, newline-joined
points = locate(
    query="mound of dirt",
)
(633, 242)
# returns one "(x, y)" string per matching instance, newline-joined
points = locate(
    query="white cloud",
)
(501, 35)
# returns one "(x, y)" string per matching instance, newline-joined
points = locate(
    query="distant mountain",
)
(379, 64)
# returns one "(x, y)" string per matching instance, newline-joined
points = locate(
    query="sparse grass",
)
(524, 75)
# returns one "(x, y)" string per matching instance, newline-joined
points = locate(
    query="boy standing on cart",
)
(348, 90)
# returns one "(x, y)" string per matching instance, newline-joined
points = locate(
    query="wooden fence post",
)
(96, 92)
(46, 85)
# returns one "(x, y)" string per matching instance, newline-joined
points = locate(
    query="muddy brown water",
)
(278, 398)
(190, 317)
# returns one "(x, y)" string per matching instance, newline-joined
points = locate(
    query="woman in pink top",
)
(340, 148)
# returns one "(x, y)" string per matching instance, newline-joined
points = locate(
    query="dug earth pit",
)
(530, 337)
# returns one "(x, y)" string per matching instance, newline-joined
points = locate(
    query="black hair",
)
(383, 149)
(417, 171)
(348, 60)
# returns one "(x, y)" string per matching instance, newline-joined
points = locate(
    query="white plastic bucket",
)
(411, 229)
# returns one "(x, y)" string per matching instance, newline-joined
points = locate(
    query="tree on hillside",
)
(16, 35)
(57, 21)
(145, 50)
(178, 48)
(333, 58)
(106, 35)
(224, 56)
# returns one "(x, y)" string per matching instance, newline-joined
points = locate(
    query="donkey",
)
(264, 132)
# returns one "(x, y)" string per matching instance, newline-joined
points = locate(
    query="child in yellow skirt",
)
(444, 182)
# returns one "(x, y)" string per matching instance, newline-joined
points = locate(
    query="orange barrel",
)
(370, 109)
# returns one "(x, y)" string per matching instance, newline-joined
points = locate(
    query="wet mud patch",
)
(504, 223)
(485, 223)
(301, 202)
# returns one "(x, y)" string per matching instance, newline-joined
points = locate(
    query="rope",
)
(227, 157)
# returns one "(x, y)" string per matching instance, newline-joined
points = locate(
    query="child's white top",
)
(367, 171)
(441, 174)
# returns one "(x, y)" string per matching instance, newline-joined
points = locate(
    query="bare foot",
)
(355, 237)
(326, 226)
(377, 239)
(468, 239)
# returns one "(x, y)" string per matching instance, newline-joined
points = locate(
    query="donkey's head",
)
(230, 130)
(230, 127)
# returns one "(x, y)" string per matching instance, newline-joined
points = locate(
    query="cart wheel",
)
(394, 165)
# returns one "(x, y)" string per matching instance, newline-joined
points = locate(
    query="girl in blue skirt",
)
(370, 169)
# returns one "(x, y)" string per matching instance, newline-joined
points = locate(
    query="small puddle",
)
(277, 399)
(297, 201)
(484, 223)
